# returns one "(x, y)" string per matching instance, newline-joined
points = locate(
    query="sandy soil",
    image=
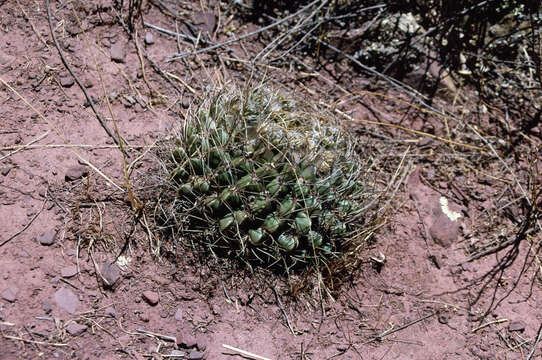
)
(62, 223)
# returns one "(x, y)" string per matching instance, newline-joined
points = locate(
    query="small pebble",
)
(144, 317)
(186, 340)
(66, 81)
(68, 271)
(67, 300)
(177, 353)
(75, 173)
(110, 274)
(196, 355)
(110, 311)
(516, 326)
(151, 297)
(46, 307)
(48, 237)
(75, 329)
(149, 39)
(178, 315)
(117, 53)
(10, 294)
(201, 343)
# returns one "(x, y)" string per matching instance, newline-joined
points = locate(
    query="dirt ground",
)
(65, 214)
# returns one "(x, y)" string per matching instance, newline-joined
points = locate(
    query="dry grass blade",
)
(32, 341)
(59, 134)
(245, 353)
(245, 36)
(22, 147)
(70, 70)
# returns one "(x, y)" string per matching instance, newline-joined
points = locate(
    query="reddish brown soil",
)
(419, 280)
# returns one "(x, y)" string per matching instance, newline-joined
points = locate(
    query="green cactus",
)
(265, 176)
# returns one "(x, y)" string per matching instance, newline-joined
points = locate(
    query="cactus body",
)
(269, 175)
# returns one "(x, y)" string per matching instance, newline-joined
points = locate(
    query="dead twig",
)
(538, 337)
(32, 336)
(242, 37)
(417, 132)
(21, 147)
(245, 353)
(159, 336)
(177, 34)
(498, 321)
(279, 303)
(25, 227)
(393, 330)
(32, 25)
(32, 341)
(70, 70)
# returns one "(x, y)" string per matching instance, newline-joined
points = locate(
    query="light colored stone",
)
(67, 300)
(10, 294)
(75, 329)
(151, 297)
(117, 52)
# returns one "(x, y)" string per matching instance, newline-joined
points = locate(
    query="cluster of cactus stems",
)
(259, 176)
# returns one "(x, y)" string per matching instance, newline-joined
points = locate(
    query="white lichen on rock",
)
(452, 215)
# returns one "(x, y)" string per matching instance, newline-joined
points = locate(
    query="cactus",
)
(265, 176)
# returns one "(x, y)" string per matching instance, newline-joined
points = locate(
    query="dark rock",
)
(48, 238)
(75, 173)
(68, 271)
(67, 300)
(10, 294)
(149, 39)
(117, 52)
(110, 274)
(75, 329)
(196, 355)
(5, 276)
(5, 171)
(151, 297)
(66, 81)
(516, 326)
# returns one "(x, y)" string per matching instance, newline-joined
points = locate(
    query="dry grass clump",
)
(254, 175)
